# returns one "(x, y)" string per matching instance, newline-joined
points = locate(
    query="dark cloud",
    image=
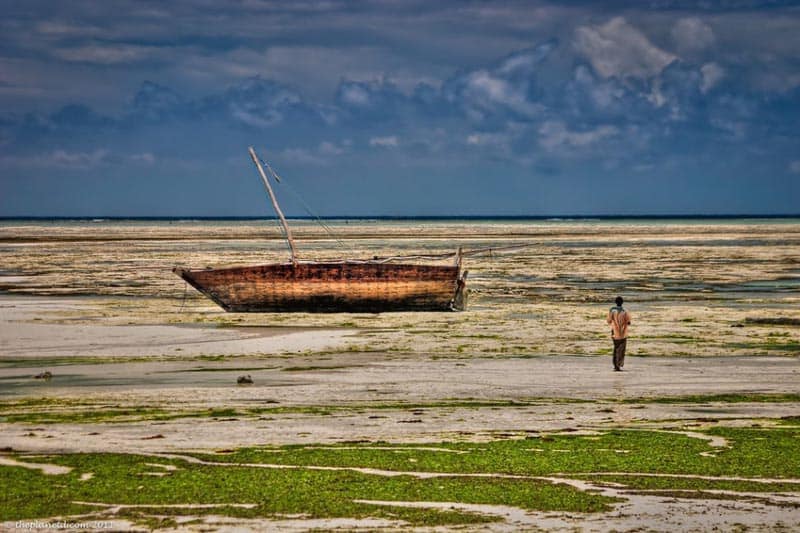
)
(256, 103)
(532, 93)
(79, 116)
(371, 100)
(155, 102)
(507, 91)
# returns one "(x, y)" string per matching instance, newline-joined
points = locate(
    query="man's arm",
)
(609, 318)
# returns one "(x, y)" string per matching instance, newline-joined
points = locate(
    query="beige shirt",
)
(619, 322)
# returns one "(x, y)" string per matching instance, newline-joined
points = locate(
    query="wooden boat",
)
(372, 286)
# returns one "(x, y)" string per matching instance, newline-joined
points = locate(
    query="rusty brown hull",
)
(328, 287)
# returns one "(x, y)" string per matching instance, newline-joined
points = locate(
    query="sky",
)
(400, 107)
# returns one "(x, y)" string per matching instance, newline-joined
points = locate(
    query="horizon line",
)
(413, 217)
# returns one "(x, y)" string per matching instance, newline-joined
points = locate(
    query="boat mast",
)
(275, 205)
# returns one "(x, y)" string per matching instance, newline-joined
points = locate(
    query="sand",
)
(82, 294)
(288, 373)
(25, 333)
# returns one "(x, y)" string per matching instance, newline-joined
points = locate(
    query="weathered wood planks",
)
(328, 287)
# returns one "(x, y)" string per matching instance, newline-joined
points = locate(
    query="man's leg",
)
(615, 357)
(623, 344)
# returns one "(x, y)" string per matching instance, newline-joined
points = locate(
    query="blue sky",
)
(390, 107)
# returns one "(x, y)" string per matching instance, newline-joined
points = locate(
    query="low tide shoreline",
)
(142, 369)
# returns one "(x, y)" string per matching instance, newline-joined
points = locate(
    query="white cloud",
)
(526, 61)
(321, 156)
(554, 134)
(493, 140)
(692, 34)
(604, 94)
(355, 95)
(317, 70)
(498, 143)
(302, 156)
(63, 158)
(483, 90)
(478, 139)
(385, 142)
(146, 158)
(492, 88)
(325, 66)
(794, 166)
(65, 29)
(259, 103)
(262, 118)
(619, 49)
(712, 74)
(106, 54)
(329, 148)
(656, 97)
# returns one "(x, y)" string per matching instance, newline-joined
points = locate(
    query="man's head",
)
(618, 301)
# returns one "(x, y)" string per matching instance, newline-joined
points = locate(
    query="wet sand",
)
(520, 396)
(80, 294)
(26, 333)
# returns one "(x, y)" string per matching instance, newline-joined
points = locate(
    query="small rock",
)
(244, 380)
(46, 375)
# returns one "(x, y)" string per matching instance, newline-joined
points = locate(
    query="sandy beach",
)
(197, 368)
(97, 306)
(26, 334)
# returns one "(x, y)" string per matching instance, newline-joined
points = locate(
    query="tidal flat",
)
(502, 417)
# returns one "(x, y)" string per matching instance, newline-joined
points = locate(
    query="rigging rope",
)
(376, 259)
(306, 207)
(183, 303)
(275, 218)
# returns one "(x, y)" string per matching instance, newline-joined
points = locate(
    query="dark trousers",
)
(619, 352)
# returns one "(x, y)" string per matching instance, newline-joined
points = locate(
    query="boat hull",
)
(328, 287)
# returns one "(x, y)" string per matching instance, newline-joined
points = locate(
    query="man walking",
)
(619, 319)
